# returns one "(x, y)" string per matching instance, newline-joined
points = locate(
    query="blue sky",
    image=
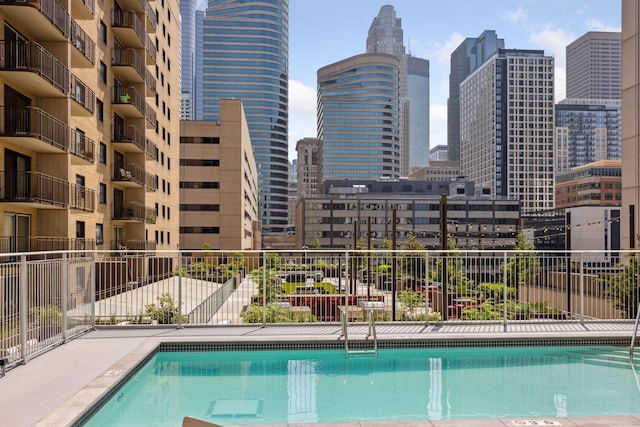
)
(325, 31)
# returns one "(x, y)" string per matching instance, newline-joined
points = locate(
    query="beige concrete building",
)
(630, 129)
(218, 183)
(88, 90)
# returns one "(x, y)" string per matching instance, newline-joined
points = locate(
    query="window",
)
(79, 229)
(168, 237)
(102, 193)
(102, 32)
(169, 163)
(168, 212)
(102, 73)
(99, 110)
(99, 234)
(102, 154)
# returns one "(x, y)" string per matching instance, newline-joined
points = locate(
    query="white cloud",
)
(437, 125)
(597, 25)
(435, 51)
(302, 114)
(516, 16)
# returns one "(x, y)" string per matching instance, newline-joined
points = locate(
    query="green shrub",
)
(165, 312)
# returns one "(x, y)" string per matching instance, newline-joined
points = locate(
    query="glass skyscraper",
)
(191, 57)
(246, 56)
(359, 117)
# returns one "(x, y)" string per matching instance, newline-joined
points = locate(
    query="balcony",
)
(84, 97)
(28, 64)
(34, 189)
(129, 139)
(84, 54)
(151, 117)
(83, 9)
(152, 20)
(132, 211)
(128, 65)
(10, 244)
(82, 148)
(133, 245)
(128, 29)
(152, 150)
(134, 176)
(82, 198)
(150, 81)
(152, 51)
(33, 129)
(46, 20)
(128, 102)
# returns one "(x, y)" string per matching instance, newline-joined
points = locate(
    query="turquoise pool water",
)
(274, 387)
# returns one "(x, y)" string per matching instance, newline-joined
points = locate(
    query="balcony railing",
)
(11, 244)
(83, 9)
(128, 57)
(129, 95)
(123, 246)
(82, 146)
(131, 211)
(34, 122)
(129, 173)
(152, 150)
(129, 19)
(152, 50)
(83, 42)
(82, 198)
(32, 57)
(130, 134)
(151, 116)
(151, 16)
(82, 94)
(34, 187)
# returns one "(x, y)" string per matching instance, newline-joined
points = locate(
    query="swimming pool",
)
(288, 386)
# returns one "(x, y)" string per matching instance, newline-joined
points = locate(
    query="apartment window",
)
(156, 236)
(169, 163)
(79, 229)
(168, 237)
(102, 193)
(163, 185)
(99, 110)
(102, 31)
(168, 188)
(102, 154)
(99, 234)
(168, 214)
(163, 211)
(102, 72)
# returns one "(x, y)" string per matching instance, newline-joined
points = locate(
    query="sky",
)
(322, 32)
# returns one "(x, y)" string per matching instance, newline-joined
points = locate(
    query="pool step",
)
(619, 358)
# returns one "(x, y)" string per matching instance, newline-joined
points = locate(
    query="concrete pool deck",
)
(54, 388)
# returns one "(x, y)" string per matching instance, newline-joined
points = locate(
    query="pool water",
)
(278, 387)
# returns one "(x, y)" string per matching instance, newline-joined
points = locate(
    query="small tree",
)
(624, 287)
(316, 243)
(456, 275)
(165, 311)
(413, 265)
(411, 300)
(523, 266)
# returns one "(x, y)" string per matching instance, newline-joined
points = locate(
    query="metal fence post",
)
(264, 289)
(179, 290)
(581, 289)
(24, 308)
(65, 295)
(504, 280)
(426, 287)
(92, 291)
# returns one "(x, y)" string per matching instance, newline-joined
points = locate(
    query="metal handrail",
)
(343, 320)
(635, 332)
(372, 332)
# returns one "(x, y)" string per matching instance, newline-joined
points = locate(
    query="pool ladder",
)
(635, 332)
(371, 333)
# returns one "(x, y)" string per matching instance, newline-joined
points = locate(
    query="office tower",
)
(506, 127)
(587, 131)
(360, 130)
(591, 184)
(418, 105)
(191, 56)
(218, 182)
(245, 54)
(630, 113)
(308, 150)
(467, 57)
(88, 90)
(593, 66)
(386, 36)
(293, 195)
(438, 153)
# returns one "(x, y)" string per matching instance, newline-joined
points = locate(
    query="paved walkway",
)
(52, 389)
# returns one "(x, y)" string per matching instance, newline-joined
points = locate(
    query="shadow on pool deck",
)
(54, 388)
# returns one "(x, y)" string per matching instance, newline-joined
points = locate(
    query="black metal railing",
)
(36, 123)
(33, 187)
(31, 56)
(82, 94)
(83, 42)
(82, 146)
